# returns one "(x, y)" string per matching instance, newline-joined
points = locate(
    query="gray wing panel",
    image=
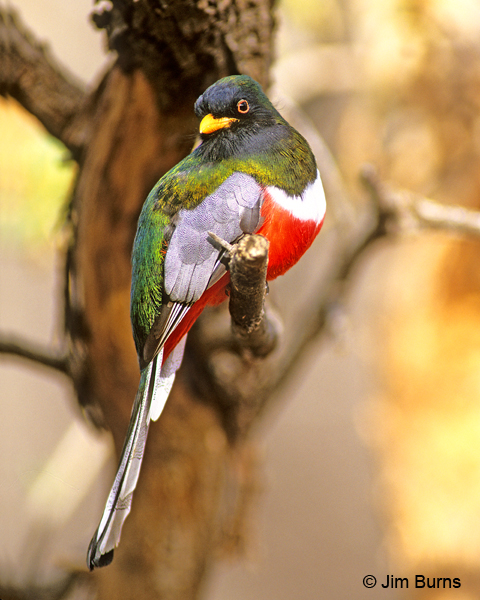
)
(232, 210)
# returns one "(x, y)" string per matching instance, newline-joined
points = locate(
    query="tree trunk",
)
(193, 477)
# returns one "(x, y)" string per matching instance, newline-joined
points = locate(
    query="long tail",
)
(153, 390)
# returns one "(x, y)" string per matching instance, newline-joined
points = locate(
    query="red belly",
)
(289, 238)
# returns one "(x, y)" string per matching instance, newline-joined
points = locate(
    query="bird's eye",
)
(243, 107)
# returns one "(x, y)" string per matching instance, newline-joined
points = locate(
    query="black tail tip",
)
(102, 561)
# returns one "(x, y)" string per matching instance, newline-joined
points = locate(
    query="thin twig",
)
(405, 211)
(20, 348)
(219, 243)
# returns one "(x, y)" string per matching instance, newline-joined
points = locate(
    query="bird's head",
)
(234, 106)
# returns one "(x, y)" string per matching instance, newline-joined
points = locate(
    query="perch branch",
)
(248, 288)
(30, 74)
(22, 349)
(255, 328)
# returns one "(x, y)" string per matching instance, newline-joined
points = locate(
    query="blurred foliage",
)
(309, 21)
(35, 177)
(416, 115)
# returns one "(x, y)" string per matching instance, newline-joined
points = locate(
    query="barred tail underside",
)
(107, 536)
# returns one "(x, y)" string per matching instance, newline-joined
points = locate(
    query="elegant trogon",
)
(251, 173)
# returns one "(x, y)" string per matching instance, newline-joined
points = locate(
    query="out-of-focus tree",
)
(418, 122)
(406, 88)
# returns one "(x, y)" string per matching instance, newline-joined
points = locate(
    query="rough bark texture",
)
(252, 255)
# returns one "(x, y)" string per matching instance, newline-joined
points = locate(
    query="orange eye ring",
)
(243, 107)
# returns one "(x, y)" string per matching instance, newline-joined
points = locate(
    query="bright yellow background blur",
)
(35, 177)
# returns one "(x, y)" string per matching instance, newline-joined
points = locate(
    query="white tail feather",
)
(156, 381)
(164, 383)
(154, 388)
(107, 536)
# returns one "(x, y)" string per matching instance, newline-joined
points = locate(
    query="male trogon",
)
(251, 173)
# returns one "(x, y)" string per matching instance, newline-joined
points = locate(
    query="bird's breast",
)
(291, 223)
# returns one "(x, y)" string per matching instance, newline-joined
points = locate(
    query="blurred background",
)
(372, 457)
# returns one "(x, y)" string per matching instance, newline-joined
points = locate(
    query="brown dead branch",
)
(29, 74)
(248, 270)
(250, 322)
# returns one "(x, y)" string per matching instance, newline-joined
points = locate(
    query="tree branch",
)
(30, 74)
(405, 211)
(20, 348)
(248, 288)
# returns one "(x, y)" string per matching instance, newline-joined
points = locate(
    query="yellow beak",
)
(209, 124)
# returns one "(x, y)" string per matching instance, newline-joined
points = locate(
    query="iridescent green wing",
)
(148, 257)
(184, 186)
